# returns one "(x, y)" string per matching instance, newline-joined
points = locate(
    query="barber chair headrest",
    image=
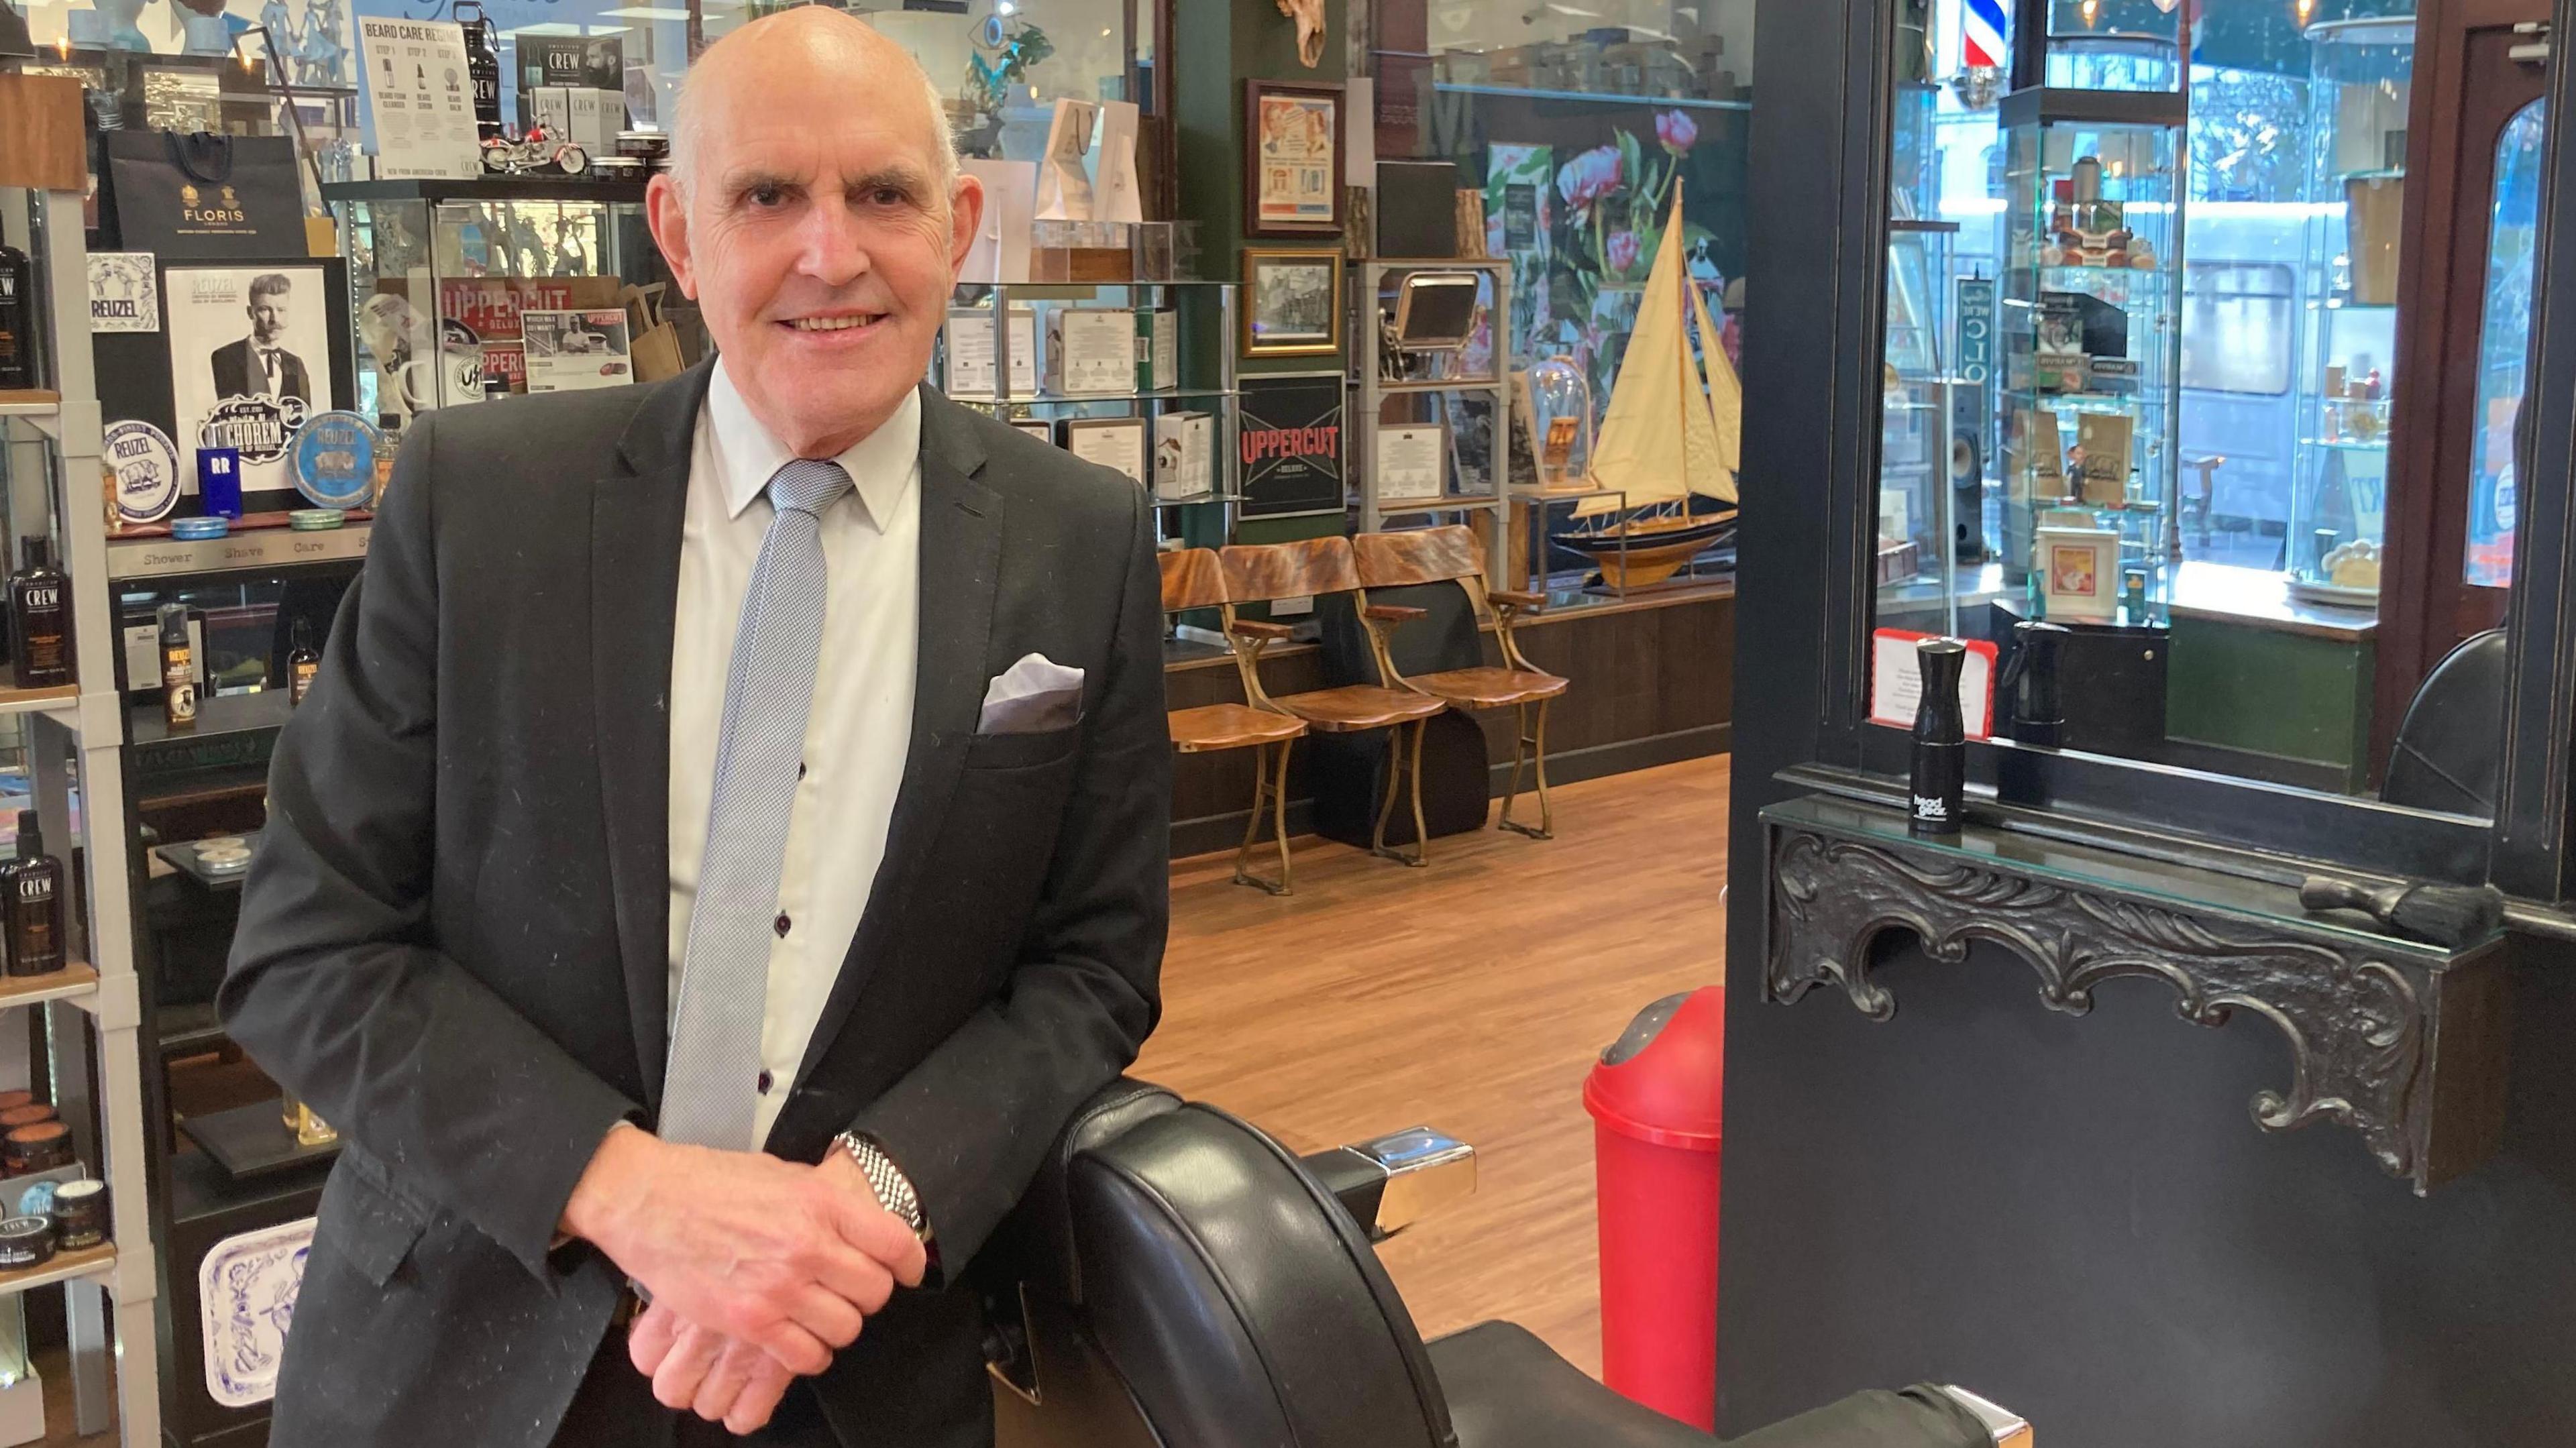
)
(1035, 1244)
(1240, 1302)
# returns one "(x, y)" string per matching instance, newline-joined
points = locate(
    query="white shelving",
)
(92, 1009)
(1369, 389)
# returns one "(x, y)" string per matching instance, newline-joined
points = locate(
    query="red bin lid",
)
(1664, 1079)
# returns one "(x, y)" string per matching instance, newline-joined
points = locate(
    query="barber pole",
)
(1982, 35)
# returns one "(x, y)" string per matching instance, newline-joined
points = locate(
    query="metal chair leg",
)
(1386, 806)
(1421, 832)
(1512, 788)
(1275, 795)
(1538, 745)
(1279, 815)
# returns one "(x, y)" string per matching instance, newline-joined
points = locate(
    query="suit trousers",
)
(614, 1408)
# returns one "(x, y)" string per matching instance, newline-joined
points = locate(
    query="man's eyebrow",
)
(908, 179)
(751, 179)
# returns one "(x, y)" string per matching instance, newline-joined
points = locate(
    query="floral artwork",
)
(1581, 232)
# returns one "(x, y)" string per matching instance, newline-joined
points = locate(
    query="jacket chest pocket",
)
(989, 752)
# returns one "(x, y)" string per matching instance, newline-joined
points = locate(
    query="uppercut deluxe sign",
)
(1291, 446)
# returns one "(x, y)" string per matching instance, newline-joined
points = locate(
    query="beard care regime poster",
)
(1290, 446)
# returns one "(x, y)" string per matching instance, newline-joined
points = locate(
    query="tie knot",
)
(808, 485)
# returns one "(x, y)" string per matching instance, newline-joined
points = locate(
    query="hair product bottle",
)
(178, 669)
(302, 663)
(1940, 740)
(17, 320)
(33, 907)
(40, 619)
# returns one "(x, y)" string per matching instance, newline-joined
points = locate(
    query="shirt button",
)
(784, 924)
(764, 1083)
(800, 771)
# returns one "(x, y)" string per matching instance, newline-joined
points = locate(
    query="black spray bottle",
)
(1940, 739)
(2038, 712)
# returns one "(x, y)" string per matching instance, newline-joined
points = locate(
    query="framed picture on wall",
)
(1292, 158)
(1292, 302)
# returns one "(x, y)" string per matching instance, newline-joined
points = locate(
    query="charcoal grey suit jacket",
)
(452, 943)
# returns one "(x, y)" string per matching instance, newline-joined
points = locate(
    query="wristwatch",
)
(893, 1188)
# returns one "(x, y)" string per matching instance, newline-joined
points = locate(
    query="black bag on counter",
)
(201, 197)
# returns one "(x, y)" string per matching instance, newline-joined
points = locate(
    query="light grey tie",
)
(710, 1092)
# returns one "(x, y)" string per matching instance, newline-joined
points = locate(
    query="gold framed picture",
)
(1292, 302)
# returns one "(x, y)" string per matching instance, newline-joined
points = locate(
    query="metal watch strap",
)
(892, 1187)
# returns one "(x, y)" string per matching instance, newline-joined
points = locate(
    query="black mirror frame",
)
(1816, 299)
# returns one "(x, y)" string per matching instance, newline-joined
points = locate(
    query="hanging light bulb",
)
(2307, 9)
(2092, 12)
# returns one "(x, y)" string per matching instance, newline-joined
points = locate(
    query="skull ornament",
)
(1309, 15)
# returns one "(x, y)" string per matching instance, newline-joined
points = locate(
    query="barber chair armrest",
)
(1516, 600)
(2004, 1427)
(1391, 1182)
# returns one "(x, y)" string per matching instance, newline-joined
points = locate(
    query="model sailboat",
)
(1673, 432)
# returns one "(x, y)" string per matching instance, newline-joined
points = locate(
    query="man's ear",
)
(666, 211)
(965, 219)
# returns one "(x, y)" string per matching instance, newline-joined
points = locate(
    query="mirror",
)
(2141, 383)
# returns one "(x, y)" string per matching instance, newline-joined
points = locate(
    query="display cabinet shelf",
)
(494, 188)
(63, 699)
(20, 402)
(96, 1261)
(251, 549)
(1398, 387)
(1068, 399)
(76, 982)
(1438, 505)
(221, 715)
(2400, 1040)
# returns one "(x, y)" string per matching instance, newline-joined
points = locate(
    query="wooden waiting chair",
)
(1192, 579)
(1452, 555)
(1309, 569)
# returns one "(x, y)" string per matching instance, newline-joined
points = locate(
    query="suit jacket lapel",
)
(636, 519)
(961, 566)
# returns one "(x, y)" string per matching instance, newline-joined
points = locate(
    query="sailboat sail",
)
(1670, 432)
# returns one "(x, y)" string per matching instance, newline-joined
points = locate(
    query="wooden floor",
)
(1471, 996)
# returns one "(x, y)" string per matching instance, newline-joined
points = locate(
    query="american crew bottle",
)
(33, 908)
(178, 669)
(1940, 740)
(17, 320)
(40, 620)
(302, 663)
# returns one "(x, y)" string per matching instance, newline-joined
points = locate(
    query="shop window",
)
(2504, 348)
(2238, 324)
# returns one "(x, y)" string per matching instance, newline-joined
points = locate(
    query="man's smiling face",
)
(817, 225)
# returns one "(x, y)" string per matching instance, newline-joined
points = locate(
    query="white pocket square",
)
(1031, 696)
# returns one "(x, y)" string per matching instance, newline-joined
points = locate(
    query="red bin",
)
(1654, 1098)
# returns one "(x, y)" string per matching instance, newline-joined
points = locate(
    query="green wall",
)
(1216, 46)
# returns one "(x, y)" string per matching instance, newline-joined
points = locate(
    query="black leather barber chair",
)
(1176, 1279)
(2450, 746)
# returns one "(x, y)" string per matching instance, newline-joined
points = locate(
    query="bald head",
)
(874, 71)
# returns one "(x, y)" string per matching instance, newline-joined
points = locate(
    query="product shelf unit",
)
(2090, 330)
(440, 270)
(1198, 307)
(1489, 508)
(2347, 364)
(75, 736)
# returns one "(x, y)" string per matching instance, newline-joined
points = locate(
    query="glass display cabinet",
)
(1915, 526)
(2090, 336)
(2357, 101)
(441, 272)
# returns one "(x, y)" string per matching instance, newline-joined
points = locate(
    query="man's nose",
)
(834, 249)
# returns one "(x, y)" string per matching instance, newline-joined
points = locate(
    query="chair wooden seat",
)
(1489, 688)
(1352, 708)
(1230, 726)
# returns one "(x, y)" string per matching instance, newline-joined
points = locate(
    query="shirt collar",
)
(881, 465)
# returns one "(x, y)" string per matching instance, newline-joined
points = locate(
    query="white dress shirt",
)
(860, 730)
